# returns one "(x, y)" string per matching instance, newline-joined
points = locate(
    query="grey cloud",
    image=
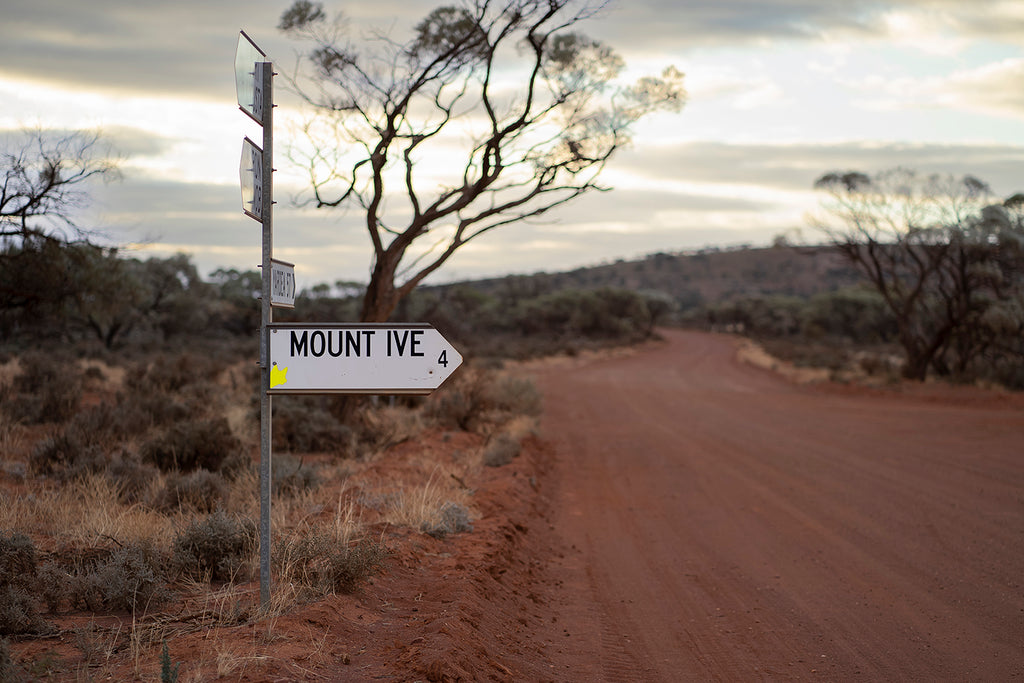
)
(795, 167)
(187, 47)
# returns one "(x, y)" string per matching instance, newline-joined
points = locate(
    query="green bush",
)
(214, 548)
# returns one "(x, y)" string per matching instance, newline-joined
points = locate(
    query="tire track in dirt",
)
(728, 525)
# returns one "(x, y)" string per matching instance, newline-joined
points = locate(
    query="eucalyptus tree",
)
(944, 254)
(45, 182)
(486, 115)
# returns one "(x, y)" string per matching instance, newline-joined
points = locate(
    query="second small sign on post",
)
(282, 284)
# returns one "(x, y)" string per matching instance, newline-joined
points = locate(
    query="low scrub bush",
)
(214, 548)
(66, 455)
(17, 559)
(190, 446)
(516, 395)
(130, 579)
(318, 561)
(454, 520)
(48, 390)
(9, 671)
(479, 397)
(198, 491)
(501, 450)
(18, 613)
(171, 374)
(292, 476)
(131, 477)
(303, 424)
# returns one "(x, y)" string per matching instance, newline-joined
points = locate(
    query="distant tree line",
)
(81, 292)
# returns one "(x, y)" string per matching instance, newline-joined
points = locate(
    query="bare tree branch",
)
(535, 109)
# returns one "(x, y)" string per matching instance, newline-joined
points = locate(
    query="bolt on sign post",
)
(254, 76)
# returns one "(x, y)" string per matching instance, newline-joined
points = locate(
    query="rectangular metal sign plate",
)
(250, 173)
(248, 81)
(282, 284)
(359, 358)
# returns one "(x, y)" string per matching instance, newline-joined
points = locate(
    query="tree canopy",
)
(946, 256)
(488, 114)
(44, 178)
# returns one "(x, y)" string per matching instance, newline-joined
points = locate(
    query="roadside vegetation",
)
(128, 461)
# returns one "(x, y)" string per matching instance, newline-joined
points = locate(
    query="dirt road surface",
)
(721, 523)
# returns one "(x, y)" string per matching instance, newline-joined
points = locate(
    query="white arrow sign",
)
(364, 358)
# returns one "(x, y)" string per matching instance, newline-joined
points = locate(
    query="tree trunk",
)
(379, 300)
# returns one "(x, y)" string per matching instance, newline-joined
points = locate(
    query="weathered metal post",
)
(265, 76)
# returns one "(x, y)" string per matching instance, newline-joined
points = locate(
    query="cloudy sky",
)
(779, 92)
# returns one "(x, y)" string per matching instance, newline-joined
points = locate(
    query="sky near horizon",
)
(779, 93)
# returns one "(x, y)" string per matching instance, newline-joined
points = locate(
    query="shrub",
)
(292, 476)
(201, 491)
(130, 578)
(302, 424)
(17, 559)
(48, 388)
(67, 454)
(501, 450)
(516, 395)
(320, 562)
(454, 520)
(9, 671)
(18, 615)
(172, 374)
(131, 476)
(214, 548)
(480, 396)
(55, 586)
(192, 445)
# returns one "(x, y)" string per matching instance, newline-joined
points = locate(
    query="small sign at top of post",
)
(248, 79)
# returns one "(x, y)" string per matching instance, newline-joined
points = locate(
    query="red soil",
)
(688, 517)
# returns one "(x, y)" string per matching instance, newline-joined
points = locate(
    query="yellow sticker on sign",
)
(278, 376)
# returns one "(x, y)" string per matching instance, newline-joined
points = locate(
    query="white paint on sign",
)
(324, 358)
(282, 284)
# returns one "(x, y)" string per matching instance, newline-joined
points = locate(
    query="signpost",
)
(254, 83)
(339, 358)
(324, 358)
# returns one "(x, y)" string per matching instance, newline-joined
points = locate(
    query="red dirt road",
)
(721, 523)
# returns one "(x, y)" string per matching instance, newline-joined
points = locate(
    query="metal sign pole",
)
(264, 75)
